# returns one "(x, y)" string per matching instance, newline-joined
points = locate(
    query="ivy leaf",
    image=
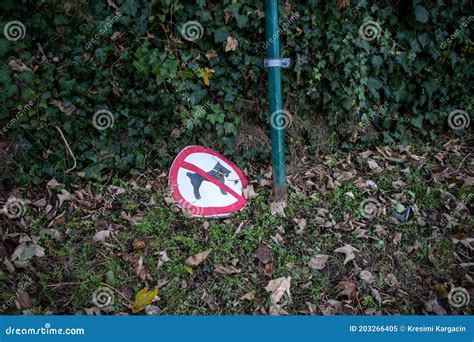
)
(143, 298)
(421, 14)
(132, 8)
(220, 35)
(101, 55)
(423, 39)
(4, 46)
(374, 83)
(417, 122)
(376, 61)
(4, 74)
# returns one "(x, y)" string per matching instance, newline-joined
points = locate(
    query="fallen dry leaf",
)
(343, 4)
(345, 176)
(115, 35)
(23, 300)
(53, 184)
(40, 203)
(227, 270)
(347, 289)
(277, 310)
(138, 244)
(360, 233)
(248, 296)
(367, 276)
(169, 200)
(127, 292)
(372, 164)
(348, 250)
(249, 192)
(68, 110)
(376, 294)
(9, 265)
(64, 196)
(398, 185)
(143, 298)
(391, 280)
(26, 251)
(350, 194)
(196, 259)
(142, 271)
(278, 208)
(441, 291)
(211, 55)
(208, 73)
(397, 238)
(264, 254)
(231, 44)
(433, 306)
(101, 235)
(162, 258)
(301, 225)
(277, 238)
(278, 287)
(18, 65)
(318, 262)
(152, 310)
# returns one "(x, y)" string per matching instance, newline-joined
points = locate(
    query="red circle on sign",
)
(179, 162)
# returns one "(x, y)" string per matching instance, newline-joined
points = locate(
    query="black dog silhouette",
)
(219, 172)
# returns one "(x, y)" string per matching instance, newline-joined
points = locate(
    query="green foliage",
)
(404, 82)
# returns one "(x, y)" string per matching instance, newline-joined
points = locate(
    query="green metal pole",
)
(275, 101)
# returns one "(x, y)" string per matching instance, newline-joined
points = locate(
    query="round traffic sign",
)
(205, 183)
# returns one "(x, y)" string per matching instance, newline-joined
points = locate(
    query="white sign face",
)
(205, 183)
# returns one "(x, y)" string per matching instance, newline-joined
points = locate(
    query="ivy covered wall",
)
(128, 82)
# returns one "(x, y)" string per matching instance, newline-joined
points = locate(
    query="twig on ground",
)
(119, 292)
(68, 149)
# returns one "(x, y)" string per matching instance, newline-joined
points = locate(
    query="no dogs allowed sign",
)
(205, 183)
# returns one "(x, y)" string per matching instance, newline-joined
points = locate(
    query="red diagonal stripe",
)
(211, 179)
